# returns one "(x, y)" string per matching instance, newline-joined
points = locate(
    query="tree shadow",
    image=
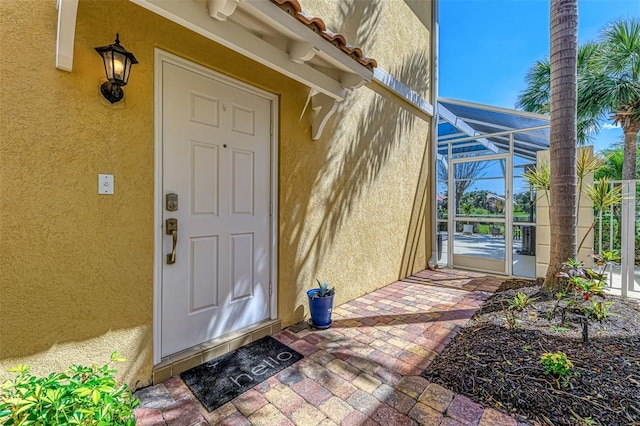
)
(352, 172)
(357, 19)
(327, 184)
(417, 241)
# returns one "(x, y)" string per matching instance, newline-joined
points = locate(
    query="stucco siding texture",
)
(76, 268)
(396, 33)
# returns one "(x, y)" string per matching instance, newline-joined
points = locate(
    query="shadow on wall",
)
(418, 228)
(358, 168)
(357, 18)
(415, 73)
(350, 173)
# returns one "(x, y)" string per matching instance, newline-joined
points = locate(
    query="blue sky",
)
(487, 46)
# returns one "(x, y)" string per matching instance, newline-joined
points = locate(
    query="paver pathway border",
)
(364, 370)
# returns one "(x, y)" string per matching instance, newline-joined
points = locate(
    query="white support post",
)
(451, 207)
(508, 220)
(628, 238)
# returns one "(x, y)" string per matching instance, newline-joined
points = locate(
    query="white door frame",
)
(508, 217)
(160, 57)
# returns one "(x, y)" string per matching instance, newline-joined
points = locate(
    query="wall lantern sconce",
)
(117, 66)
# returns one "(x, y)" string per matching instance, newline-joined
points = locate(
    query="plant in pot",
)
(321, 305)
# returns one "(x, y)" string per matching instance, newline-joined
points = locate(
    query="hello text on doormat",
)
(222, 379)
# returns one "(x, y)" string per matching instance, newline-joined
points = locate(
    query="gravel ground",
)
(498, 365)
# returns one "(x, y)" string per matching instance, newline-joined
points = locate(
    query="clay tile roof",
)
(292, 7)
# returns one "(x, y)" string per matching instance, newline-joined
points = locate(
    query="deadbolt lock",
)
(172, 202)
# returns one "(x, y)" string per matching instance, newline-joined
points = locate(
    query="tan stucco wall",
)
(354, 205)
(543, 230)
(396, 33)
(76, 268)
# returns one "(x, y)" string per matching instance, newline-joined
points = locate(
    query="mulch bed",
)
(499, 367)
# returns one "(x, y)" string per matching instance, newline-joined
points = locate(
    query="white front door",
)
(216, 159)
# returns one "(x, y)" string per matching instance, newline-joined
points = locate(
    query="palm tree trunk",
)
(562, 209)
(630, 150)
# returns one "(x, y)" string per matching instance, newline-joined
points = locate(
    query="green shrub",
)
(599, 310)
(556, 363)
(79, 396)
(520, 301)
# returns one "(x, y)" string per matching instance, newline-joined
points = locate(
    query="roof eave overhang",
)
(215, 25)
(290, 47)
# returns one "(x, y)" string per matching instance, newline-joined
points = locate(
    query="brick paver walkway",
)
(364, 370)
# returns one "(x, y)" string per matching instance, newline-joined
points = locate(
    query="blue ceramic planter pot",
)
(320, 308)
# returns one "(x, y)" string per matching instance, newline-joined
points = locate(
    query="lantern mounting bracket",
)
(112, 92)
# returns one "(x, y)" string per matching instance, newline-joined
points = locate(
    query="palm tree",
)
(536, 97)
(611, 87)
(614, 161)
(563, 138)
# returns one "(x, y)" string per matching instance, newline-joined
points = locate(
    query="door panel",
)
(216, 157)
(243, 191)
(203, 276)
(479, 204)
(242, 266)
(205, 171)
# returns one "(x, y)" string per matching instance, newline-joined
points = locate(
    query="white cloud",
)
(608, 126)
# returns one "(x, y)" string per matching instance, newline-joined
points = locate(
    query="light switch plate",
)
(105, 184)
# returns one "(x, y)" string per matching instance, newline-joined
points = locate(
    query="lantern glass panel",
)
(127, 71)
(119, 62)
(108, 64)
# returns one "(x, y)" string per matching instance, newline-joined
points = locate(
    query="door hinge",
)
(270, 288)
(270, 208)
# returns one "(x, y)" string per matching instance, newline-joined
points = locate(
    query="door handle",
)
(171, 226)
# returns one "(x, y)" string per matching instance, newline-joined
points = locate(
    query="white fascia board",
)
(383, 79)
(285, 23)
(195, 17)
(461, 125)
(67, 12)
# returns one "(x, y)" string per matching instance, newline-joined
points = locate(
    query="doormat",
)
(218, 381)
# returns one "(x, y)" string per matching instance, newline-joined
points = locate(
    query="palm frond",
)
(622, 41)
(596, 94)
(536, 97)
(587, 127)
(588, 162)
(612, 169)
(539, 176)
(603, 195)
(587, 53)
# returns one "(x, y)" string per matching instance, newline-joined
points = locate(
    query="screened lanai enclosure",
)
(486, 209)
